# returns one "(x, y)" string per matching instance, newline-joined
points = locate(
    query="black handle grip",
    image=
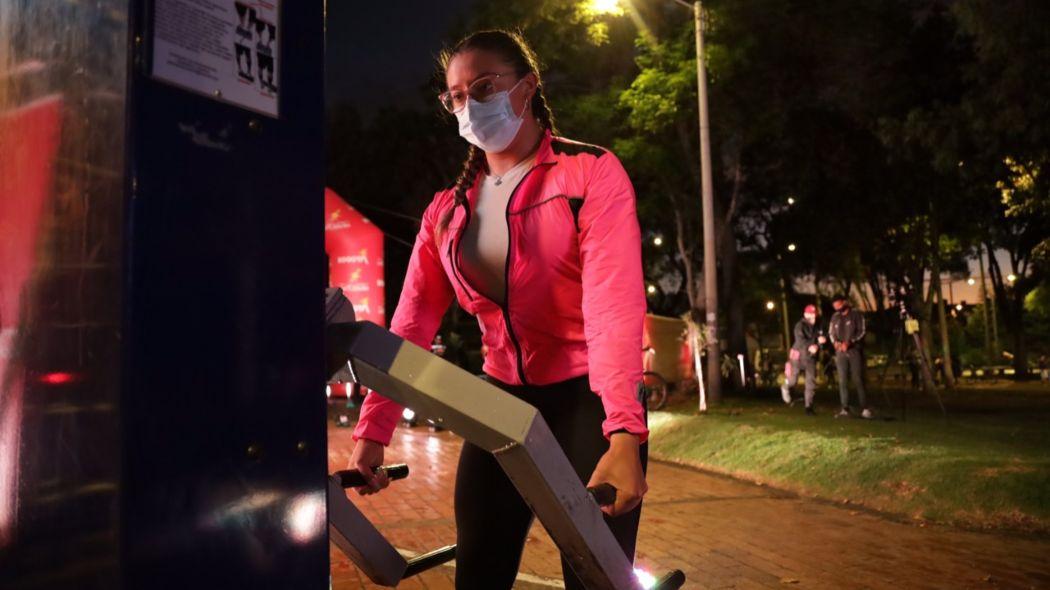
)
(352, 478)
(604, 494)
(672, 581)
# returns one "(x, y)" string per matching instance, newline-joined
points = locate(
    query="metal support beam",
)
(511, 429)
(360, 540)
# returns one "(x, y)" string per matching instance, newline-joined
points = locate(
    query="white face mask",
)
(490, 125)
(811, 318)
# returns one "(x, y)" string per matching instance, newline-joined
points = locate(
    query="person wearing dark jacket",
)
(847, 331)
(803, 356)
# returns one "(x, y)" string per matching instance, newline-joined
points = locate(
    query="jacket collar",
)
(530, 185)
(545, 154)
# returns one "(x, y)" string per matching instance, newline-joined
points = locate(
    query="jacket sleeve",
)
(424, 299)
(859, 328)
(613, 295)
(802, 342)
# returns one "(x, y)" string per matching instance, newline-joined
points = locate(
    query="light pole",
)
(984, 308)
(714, 355)
(714, 373)
(784, 314)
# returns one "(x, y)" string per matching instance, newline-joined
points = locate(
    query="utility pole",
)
(714, 356)
(995, 319)
(784, 314)
(984, 306)
(946, 351)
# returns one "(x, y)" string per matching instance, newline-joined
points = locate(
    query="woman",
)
(539, 239)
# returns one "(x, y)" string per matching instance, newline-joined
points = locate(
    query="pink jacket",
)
(575, 296)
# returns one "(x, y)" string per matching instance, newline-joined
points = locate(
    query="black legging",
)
(492, 520)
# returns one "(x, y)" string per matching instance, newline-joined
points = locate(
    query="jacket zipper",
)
(506, 281)
(453, 258)
(505, 306)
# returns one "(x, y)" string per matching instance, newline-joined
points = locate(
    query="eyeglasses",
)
(480, 90)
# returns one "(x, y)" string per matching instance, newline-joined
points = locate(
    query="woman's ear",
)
(530, 82)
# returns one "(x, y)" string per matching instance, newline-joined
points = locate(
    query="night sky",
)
(381, 53)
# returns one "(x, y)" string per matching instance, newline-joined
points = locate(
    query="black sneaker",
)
(809, 411)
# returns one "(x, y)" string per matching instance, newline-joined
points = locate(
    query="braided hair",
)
(515, 51)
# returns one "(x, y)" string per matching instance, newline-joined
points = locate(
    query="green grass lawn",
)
(986, 466)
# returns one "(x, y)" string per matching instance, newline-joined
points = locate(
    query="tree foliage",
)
(907, 134)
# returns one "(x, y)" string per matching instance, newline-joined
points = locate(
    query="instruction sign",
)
(226, 49)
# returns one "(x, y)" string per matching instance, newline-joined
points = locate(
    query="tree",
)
(905, 132)
(992, 136)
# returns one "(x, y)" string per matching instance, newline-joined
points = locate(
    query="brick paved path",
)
(722, 533)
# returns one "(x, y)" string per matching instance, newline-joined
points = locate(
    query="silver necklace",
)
(514, 168)
(499, 178)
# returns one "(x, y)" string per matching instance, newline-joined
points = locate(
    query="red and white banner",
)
(355, 257)
(29, 138)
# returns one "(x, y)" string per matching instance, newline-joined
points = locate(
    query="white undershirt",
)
(483, 252)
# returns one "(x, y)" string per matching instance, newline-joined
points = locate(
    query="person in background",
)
(847, 331)
(803, 356)
(437, 347)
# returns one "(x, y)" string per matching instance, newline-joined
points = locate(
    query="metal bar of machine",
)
(512, 430)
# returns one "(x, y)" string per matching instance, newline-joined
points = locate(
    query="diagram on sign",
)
(256, 37)
(225, 49)
(244, 40)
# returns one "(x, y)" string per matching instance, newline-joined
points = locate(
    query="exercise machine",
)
(485, 415)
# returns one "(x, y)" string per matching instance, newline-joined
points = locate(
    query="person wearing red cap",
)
(803, 355)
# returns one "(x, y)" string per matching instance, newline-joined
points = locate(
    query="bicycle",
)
(653, 384)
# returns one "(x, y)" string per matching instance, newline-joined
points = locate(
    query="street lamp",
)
(770, 305)
(1011, 278)
(651, 289)
(604, 7)
(791, 247)
(791, 200)
(714, 356)
(658, 241)
(970, 281)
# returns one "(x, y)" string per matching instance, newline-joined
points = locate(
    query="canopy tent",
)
(355, 257)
